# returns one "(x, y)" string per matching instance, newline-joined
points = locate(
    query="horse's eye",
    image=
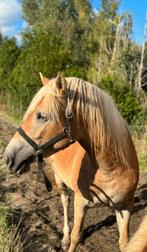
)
(40, 116)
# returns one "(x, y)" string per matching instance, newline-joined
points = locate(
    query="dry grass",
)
(9, 233)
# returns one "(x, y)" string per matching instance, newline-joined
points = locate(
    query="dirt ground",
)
(38, 214)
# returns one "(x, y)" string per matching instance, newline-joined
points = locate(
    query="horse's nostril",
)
(9, 161)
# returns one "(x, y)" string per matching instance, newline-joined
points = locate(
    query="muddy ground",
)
(38, 214)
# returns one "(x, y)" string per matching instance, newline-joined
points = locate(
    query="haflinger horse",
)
(101, 166)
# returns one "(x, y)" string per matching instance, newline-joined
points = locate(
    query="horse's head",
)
(45, 127)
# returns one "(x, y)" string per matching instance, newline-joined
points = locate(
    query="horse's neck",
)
(93, 126)
(97, 147)
(101, 130)
(86, 143)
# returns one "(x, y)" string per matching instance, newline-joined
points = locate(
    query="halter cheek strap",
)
(41, 149)
(65, 134)
(28, 139)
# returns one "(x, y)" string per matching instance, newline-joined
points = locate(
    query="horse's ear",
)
(44, 80)
(61, 83)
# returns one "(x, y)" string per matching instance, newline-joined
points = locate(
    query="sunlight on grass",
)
(141, 148)
(9, 235)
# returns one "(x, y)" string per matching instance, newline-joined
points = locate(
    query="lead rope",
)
(40, 172)
(41, 164)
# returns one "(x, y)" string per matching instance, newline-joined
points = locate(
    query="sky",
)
(12, 23)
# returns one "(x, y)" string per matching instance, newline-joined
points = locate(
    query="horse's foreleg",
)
(79, 213)
(138, 243)
(66, 229)
(123, 218)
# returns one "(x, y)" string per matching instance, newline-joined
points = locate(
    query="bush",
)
(125, 99)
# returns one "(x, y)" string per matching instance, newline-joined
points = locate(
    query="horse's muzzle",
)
(18, 163)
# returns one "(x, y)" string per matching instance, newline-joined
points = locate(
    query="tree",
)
(109, 8)
(31, 11)
(55, 41)
(138, 86)
(104, 36)
(9, 53)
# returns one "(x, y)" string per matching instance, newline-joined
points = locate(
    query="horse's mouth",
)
(24, 166)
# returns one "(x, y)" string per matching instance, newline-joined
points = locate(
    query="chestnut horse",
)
(70, 108)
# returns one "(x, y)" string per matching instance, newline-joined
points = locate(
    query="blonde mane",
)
(107, 128)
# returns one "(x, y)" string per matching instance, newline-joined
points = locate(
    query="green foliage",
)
(109, 8)
(8, 57)
(39, 55)
(9, 53)
(69, 36)
(31, 11)
(56, 40)
(127, 63)
(125, 98)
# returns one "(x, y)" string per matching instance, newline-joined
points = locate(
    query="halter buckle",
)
(39, 151)
(69, 114)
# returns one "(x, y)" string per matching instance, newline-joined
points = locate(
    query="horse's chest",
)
(109, 190)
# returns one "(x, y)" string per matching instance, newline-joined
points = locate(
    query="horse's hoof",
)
(65, 245)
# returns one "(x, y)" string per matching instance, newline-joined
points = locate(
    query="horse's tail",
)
(138, 243)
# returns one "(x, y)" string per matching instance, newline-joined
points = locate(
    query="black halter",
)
(40, 149)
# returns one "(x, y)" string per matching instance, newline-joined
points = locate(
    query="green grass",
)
(141, 148)
(9, 236)
(143, 164)
(4, 230)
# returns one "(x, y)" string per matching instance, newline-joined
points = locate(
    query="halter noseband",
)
(40, 149)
